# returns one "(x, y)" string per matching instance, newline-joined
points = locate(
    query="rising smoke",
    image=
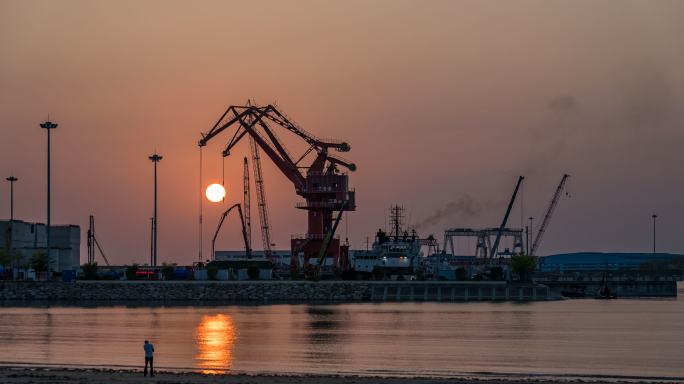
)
(563, 105)
(464, 206)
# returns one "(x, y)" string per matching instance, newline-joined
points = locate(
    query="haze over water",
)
(581, 337)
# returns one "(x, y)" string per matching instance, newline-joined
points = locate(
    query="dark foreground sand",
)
(24, 375)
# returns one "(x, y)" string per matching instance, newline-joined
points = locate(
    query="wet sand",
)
(55, 375)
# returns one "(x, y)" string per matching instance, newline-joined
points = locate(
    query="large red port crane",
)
(323, 186)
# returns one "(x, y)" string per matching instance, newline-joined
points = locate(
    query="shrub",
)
(131, 272)
(496, 273)
(212, 272)
(523, 265)
(461, 274)
(90, 271)
(378, 273)
(40, 261)
(5, 258)
(167, 270)
(253, 272)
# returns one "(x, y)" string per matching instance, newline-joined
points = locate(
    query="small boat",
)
(574, 292)
(605, 292)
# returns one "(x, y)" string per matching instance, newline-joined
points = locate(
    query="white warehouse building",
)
(29, 238)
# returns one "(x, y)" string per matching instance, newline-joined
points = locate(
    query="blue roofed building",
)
(599, 261)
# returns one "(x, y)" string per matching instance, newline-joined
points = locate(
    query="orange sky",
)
(438, 99)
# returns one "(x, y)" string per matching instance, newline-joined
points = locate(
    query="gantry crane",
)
(261, 199)
(547, 217)
(248, 249)
(323, 186)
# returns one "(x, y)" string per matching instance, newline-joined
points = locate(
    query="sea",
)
(624, 338)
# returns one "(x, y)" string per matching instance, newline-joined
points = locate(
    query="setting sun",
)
(215, 193)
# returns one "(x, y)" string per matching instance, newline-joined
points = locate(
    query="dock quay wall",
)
(642, 283)
(269, 291)
(623, 289)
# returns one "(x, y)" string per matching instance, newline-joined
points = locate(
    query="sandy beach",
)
(61, 375)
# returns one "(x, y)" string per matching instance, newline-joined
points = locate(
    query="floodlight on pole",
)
(48, 126)
(654, 216)
(155, 158)
(12, 179)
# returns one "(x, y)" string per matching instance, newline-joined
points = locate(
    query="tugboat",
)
(605, 292)
(396, 254)
(575, 292)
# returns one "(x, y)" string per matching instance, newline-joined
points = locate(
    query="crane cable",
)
(200, 205)
(223, 175)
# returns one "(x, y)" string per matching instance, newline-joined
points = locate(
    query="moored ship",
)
(395, 254)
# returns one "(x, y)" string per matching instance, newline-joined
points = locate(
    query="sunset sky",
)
(444, 104)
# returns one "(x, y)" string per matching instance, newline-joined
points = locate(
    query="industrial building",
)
(598, 261)
(237, 269)
(280, 258)
(29, 238)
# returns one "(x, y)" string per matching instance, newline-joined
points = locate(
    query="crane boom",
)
(248, 250)
(261, 199)
(547, 217)
(505, 219)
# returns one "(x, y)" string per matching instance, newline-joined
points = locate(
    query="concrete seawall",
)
(623, 289)
(269, 291)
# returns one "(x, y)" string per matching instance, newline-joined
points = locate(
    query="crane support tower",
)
(495, 247)
(483, 237)
(261, 199)
(246, 202)
(549, 213)
(93, 243)
(315, 174)
(248, 250)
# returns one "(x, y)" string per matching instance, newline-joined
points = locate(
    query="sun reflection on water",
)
(215, 338)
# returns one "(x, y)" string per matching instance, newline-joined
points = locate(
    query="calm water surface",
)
(618, 337)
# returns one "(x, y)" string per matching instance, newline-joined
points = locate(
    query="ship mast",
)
(396, 218)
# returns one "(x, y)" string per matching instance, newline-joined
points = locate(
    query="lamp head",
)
(155, 158)
(48, 125)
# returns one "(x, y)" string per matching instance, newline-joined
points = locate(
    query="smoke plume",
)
(464, 206)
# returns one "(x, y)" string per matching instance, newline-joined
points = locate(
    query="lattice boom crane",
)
(261, 199)
(549, 213)
(246, 201)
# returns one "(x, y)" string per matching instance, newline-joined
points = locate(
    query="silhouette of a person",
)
(149, 358)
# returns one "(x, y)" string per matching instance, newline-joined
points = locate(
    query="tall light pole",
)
(11, 179)
(151, 240)
(155, 159)
(654, 216)
(48, 126)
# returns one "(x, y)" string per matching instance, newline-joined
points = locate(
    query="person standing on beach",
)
(149, 358)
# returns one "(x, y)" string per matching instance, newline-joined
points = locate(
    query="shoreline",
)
(19, 373)
(267, 292)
